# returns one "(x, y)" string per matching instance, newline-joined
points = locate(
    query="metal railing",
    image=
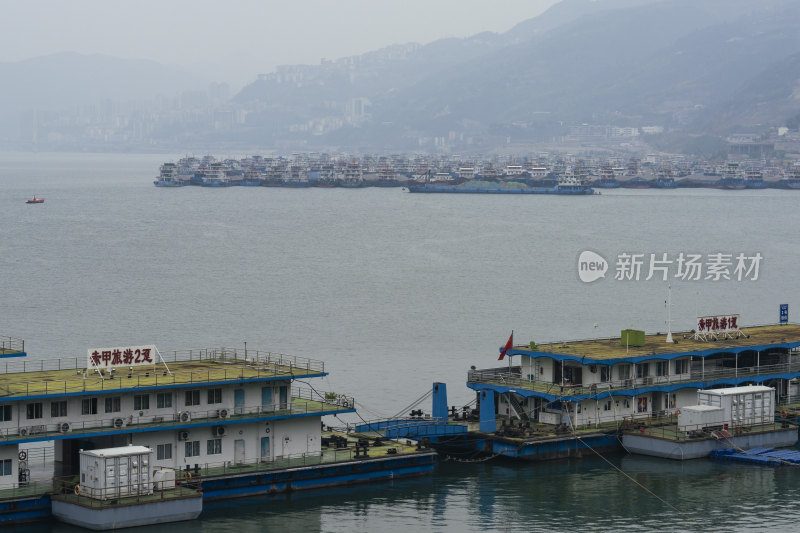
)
(303, 401)
(230, 355)
(69, 490)
(266, 365)
(513, 378)
(667, 428)
(286, 461)
(11, 345)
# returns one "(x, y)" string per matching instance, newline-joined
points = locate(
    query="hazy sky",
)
(241, 38)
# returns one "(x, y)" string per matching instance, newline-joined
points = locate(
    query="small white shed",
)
(116, 472)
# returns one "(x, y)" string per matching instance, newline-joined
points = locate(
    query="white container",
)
(164, 478)
(116, 472)
(698, 417)
(743, 406)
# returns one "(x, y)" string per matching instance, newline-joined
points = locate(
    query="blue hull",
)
(478, 190)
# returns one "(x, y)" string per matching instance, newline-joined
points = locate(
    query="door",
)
(284, 397)
(238, 401)
(266, 399)
(265, 451)
(238, 451)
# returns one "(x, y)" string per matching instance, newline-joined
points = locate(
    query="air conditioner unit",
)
(218, 431)
(223, 413)
(185, 416)
(119, 423)
(183, 435)
(65, 427)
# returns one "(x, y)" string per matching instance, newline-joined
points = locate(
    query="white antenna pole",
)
(669, 315)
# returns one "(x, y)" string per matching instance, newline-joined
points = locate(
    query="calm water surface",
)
(394, 291)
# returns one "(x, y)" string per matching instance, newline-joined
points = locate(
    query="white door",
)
(238, 451)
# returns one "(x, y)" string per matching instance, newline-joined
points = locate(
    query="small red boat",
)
(35, 200)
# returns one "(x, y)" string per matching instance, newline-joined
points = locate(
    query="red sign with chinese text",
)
(122, 356)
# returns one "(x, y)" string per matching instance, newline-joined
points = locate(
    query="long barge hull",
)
(36, 508)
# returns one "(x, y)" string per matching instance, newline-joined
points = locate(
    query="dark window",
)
(5, 413)
(214, 447)
(164, 451)
(58, 409)
(89, 406)
(141, 402)
(192, 397)
(192, 448)
(214, 396)
(113, 404)
(33, 410)
(163, 400)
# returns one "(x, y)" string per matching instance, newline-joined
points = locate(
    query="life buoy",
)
(345, 403)
(77, 490)
(23, 455)
(188, 476)
(784, 413)
(677, 412)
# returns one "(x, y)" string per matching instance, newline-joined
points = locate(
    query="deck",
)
(69, 376)
(327, 456)
(611, 348)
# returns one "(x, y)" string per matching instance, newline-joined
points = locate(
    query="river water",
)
(394, 291)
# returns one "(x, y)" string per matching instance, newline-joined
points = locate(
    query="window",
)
(141, 402)
(33, 410)
(192, 448)
(89, 406)
(642, 370)
(641, 405)
(681, 366)
(604, 373)
(672, 400)
(627, 403)
(607, 405)
(58, 409)
(214, 446)
(5, 467)
(113, 404)
(164, 400)
(579, 408)
(5, 413)
(164, 451)
(624, 371)
(662, 368)
(192, 397)
(214, 396)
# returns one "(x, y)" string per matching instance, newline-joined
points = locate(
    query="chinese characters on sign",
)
(784, 313)
(688, 266)
(124, 356)
(725, 326)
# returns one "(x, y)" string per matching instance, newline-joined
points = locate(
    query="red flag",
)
(507, 347)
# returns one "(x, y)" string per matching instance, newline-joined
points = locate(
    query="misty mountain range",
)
(711, 66)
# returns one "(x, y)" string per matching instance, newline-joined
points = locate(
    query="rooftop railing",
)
(228, 355)
(11, 345)
(211, 366)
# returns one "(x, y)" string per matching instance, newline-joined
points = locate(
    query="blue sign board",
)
(784, 313)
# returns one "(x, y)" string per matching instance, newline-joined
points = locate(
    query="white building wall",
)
(10, 479)
(287, 437)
